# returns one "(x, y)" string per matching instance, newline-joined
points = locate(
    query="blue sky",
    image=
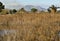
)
(42, 3)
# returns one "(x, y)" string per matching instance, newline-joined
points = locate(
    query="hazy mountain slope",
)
(29, 7)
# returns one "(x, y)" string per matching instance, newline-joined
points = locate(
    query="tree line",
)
(50, 9)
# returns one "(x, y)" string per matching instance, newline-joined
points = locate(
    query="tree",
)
(52, 9)
(1, 6)
(14, 10)
(33, 9)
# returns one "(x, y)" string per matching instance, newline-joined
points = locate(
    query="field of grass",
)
(32, 26)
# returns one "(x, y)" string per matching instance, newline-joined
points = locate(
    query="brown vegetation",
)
(31, 26)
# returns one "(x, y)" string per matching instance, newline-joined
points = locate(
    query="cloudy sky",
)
(18, 3)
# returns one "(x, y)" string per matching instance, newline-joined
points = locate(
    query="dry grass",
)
(33, 26)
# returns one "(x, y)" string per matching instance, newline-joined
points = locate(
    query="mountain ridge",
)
(29, 7)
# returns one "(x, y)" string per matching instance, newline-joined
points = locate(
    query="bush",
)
(14, 10)
(10, 11)
(4, 11)
(33, 10)
(49, 10)
(22, 9)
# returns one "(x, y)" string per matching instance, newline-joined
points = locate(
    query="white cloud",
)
(11, 4)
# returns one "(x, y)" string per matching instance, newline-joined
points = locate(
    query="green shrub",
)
(14, 10)
(33, 9)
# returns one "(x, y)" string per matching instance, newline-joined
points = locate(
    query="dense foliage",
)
(52, 9)
(1, 6)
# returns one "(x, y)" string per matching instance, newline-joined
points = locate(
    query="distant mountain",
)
(40, 8)
(29, 7)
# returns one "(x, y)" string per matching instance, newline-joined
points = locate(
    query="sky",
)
(18, 3)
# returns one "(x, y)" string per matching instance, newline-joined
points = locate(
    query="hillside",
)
(31, 27)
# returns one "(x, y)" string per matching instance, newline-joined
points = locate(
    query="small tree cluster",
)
(13, 11)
